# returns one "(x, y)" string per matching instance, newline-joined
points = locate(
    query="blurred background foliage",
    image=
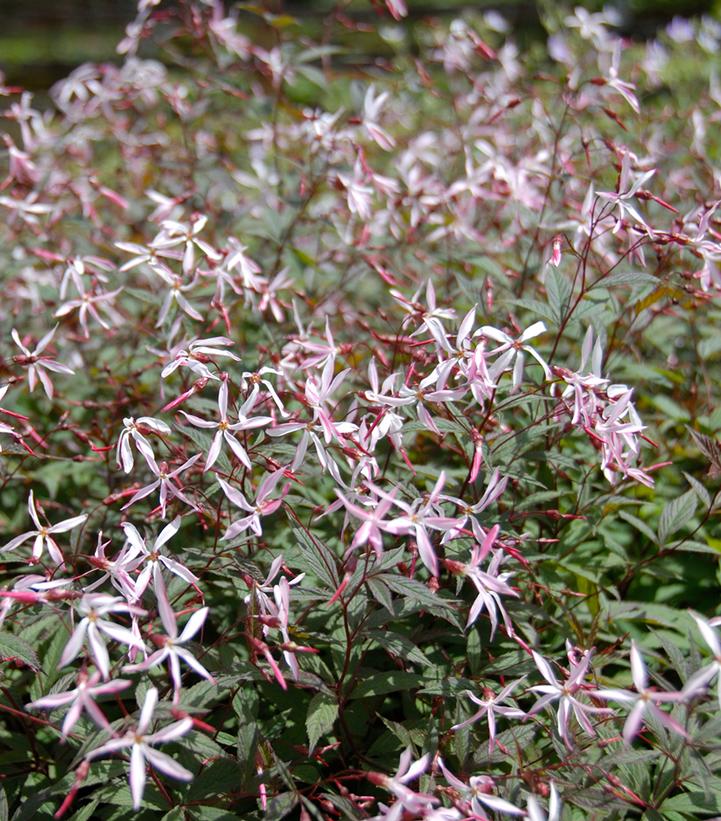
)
(41, 41)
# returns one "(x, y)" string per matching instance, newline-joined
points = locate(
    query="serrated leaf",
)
(626, 278)
(320, 560)
(703, 495)
(343, 805)
(12, 647)
(202, 441)
(558, 291)
(710, 449)
(639, 525)
(676, 514)
(281, 806)
(399, 646)
(380, 593)
(381, 683)
(693, 802)
(322, 713)
(219, 777)
(415, 591)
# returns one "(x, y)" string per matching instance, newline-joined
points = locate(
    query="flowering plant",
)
(379, 423)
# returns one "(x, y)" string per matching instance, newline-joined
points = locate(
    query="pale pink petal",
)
(194, 623)
(166, 765)
(171, 732)
(75, 644)
(137, 775)
(67, 524)
(146, 714)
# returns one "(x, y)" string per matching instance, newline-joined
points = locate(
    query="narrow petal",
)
(68, 524)
(194, 623)
(98, 650)
(146, 714)
(166, 765)
(167, 533)
(137, 775)
(74, 645)
(171, 732)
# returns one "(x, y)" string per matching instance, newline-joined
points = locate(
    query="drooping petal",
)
(75, 643)
(167, 765)
(137, 774)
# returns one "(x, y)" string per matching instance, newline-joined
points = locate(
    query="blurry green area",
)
(43, 40)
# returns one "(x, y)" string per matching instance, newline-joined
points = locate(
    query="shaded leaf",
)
(322, 713)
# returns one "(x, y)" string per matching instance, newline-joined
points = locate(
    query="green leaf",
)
(322, 713)
(176, 814)
(703, 495)
(676, 514)
(415, 591)
(222, 776)
(203, 441)
(381, 593)
(642, 527)
(398, 645)
(382, 683)
(12, 647)
(693, 803)
(318, 558)
(625, 278)
(281, 806)
(558, 290)
(87, 813)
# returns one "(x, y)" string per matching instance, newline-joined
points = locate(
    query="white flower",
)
(225, 429)
(93, 607)
(81, 698)
(44, 534)
(141, 751)
(513, 349)
(132, 430)
(172, 648)
(37, 364)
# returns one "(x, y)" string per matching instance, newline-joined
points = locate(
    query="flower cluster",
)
(313, 480)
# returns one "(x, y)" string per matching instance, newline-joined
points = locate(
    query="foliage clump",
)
(362, 415)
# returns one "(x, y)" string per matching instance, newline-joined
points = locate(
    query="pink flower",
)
(118, 570)
(419, 516)
(706, 675)
(195, 354)
(37, 364)
(263, 505)
(165, 482)
(372, 518)
(513, 351)
(491, 704)
(154, 559)
(318, 393)
(644, 700)
(132, 429)
(566, 694)
(178, 233)
(406, 798)
(627, 190)
(88, 303)
(81, 698)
